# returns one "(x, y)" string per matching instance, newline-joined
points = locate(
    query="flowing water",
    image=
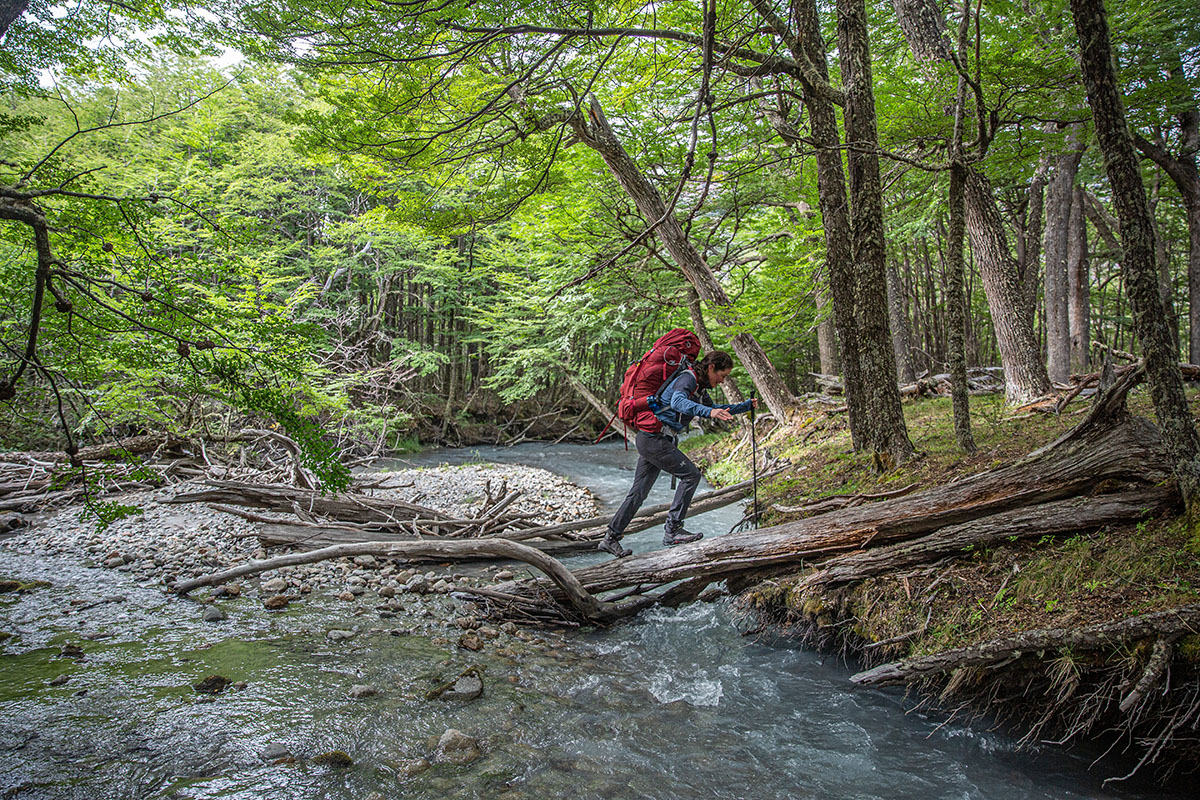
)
(676, 704)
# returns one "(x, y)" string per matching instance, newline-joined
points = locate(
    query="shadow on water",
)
(675, 704)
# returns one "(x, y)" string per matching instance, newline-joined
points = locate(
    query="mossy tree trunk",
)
(1137, 241)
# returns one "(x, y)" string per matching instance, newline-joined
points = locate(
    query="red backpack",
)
(647, 376)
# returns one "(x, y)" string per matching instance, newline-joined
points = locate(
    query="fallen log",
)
(1060, 518)
(344, 507)
(650, 516)
(1167, 625)
(579, 599)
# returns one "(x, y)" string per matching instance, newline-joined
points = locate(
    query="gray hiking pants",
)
(658, 453)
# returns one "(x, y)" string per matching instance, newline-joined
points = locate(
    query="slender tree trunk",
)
(1137, 240)
(1029, 241)
(1162, 258)
(827, 347)
(898, 321)
(729, 388)
(887, 431)
(594, 130)
(1024, 371)
(1079, 286)
(956, 316)
(1059, 196)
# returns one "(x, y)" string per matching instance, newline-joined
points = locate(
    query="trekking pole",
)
(754, 452)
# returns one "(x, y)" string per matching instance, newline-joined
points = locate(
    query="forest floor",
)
(1038, 584)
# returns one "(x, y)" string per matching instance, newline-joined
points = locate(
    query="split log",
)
(1168, 625)
(1061, 518)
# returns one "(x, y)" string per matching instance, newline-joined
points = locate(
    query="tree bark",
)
(1079, 297)
(10, 10)
(1024, 371)
(886, 430)
(1137, 240)
(1059, 197)
(827, 346)
(898, 322)
(594, 130)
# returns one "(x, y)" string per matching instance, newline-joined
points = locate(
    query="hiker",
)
(685, 396)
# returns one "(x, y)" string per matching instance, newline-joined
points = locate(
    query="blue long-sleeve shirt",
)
(685, 400)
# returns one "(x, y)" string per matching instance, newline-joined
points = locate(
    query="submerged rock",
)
(456, 747)
(334, 758)
(213, 684)
(274, 752)
(214, 614)
(466, 688)
(410, 767)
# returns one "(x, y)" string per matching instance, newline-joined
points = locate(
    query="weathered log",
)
(346, 507)
(834, 502)
(1059, 518)
(1162, 624)
(578, 598)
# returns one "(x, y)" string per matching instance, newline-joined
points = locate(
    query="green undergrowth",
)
(1029, 584)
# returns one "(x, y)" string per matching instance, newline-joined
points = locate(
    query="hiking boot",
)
(681, 536)
(612, 544)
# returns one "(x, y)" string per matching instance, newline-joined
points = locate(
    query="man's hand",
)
(722, 414)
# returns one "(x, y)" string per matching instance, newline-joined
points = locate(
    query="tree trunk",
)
(728, 388)
(1079, 296)
(886, 430)
(827, 346)
(594, 130)
(9, 11)
(1137, 240)
(898, 322)
(1024, 372)
(1059, 196)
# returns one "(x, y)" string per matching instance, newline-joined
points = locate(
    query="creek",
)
(675, 704)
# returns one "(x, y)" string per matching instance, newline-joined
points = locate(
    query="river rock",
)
(418, 584)
(457, 748)
(277, 602)
(365, 561)
(466, 688)
(361, 690)
(273, 586)
(71, 650)
(58, 680)
(114, 562)
(411, 767)
(505, 575)
(387, 591)
(334, 758)
(467, 623)
(442, 586)
(214, 614)
(346, 597)
(337, 635)
(274, 752)
(469, 641)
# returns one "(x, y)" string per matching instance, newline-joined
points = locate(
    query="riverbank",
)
(167, 542)
(1001, 591)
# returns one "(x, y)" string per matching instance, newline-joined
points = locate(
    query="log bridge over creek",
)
(1107, 470)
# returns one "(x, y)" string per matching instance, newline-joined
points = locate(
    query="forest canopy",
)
(394, 219)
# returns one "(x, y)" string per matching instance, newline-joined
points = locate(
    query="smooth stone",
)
(337, 635)
(458, 748)
(468, 687)
(214, 614)
(274, 752)
(273, 586)
(277, 602)
(362, 690)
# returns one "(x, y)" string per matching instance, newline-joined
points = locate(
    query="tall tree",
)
(1060, 196)
(1137, 240)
